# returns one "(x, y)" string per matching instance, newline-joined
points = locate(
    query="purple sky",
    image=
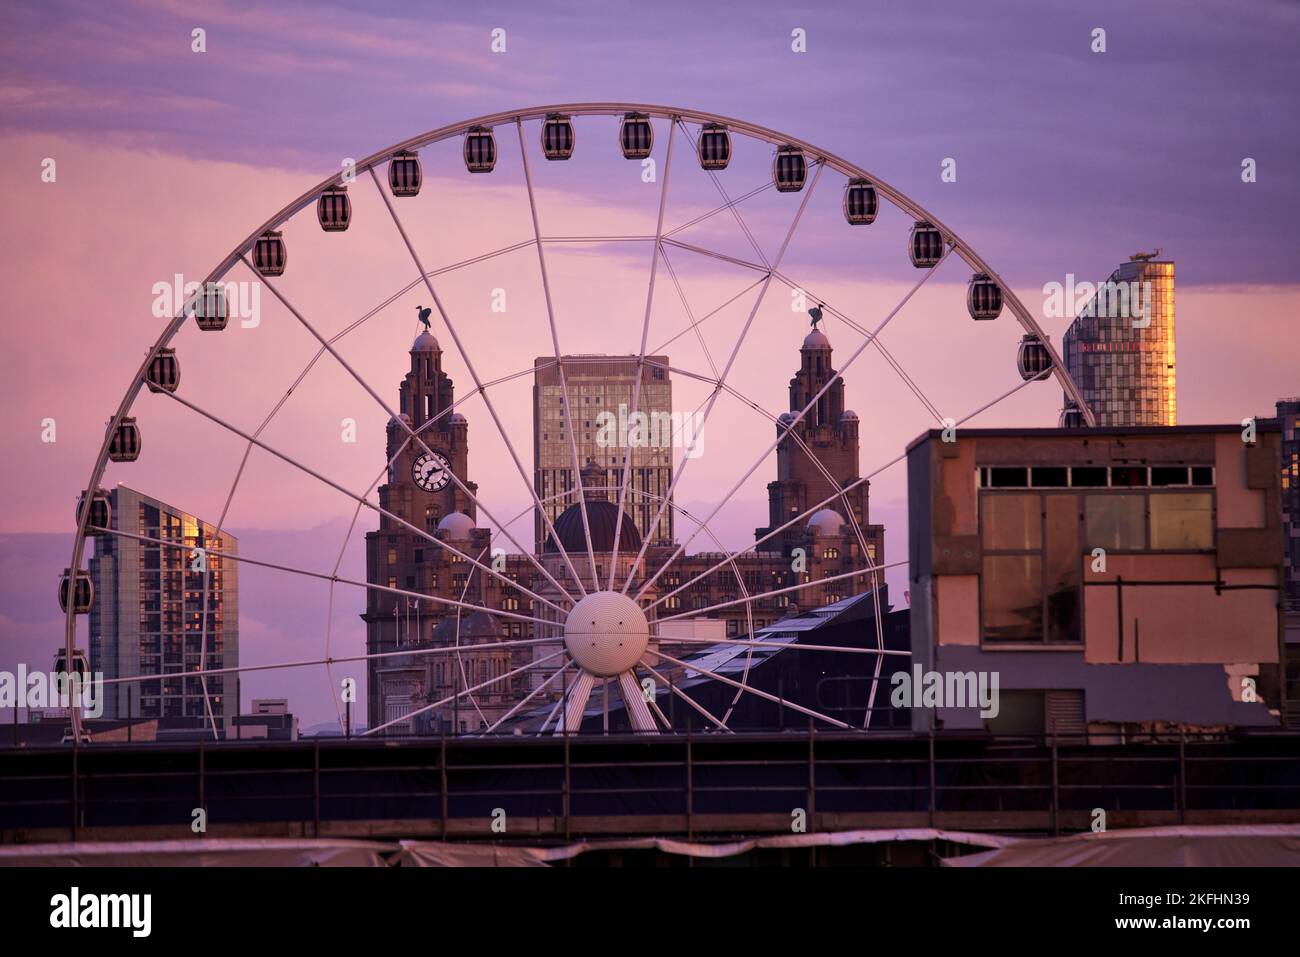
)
(1091, 152)
(1068, 161)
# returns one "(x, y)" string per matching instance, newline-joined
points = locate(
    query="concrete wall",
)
(1182, 652)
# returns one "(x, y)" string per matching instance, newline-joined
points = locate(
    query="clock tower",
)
(419, 487)
(421, 491)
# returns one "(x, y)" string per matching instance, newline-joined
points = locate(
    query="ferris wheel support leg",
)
(638, 712)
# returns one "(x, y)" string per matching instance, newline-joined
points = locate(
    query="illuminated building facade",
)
(1120, 348)
(147, 615)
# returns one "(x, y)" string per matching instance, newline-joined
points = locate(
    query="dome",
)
(457, 419)
(396, 420)
(457, 525)
(600, 516)
(816, 340)
(425, 342)
(848, 415)
(785, 418)
(479, 626)
(826, 522)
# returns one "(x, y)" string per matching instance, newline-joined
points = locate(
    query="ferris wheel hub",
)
(606, 633)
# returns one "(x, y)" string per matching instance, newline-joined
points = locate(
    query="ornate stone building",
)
(411, 629)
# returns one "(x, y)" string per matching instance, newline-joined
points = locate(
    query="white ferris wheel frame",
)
(677, 117)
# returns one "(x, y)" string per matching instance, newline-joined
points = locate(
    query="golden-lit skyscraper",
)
(1120, 348)
(147, 616)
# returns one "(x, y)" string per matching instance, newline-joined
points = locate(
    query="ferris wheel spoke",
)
(794, 436)
(352, 495)
(550, 716)
(356, 514)
(487, 401)
(875, 341)
(790, 426)
(784, 645)
(311, 662)
(766, 185)
(758, 692)
(461, 694)
(695, 705)
(848, 488)
(393, 416)
(567, 422)
(988, 405)
(712, 401)
(733, 207)
(762, 596)
(322, 576)
(715, 254)
(655, 252)
(821, 468)
(597, 239)
(519, 705)
(693, 323)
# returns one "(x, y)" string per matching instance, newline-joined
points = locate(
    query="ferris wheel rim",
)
(670, 113)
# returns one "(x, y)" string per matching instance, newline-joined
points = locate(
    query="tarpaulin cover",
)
(1255, 846)
(200, 852)
(1265, 845)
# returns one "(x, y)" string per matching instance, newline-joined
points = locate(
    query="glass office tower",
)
(1120, 348)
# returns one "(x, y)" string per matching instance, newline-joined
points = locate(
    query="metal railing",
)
(689, 784)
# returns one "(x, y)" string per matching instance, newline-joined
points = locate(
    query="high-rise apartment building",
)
(1120, 348)
(1288, 419)
(600, 391)
(147, 615)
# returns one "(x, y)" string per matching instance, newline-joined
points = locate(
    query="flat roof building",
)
(1113, 579)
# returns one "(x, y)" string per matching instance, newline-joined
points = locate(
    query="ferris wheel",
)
(598, 596)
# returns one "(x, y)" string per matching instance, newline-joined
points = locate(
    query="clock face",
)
(432, 471)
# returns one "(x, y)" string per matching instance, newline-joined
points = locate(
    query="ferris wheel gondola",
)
(602, 623)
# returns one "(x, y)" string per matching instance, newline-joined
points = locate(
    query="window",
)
(1012, 522)
(1013, 597)
(1182, 521)
(1061, 574)
(1019, 713)
(1116, 522)
(1030, 579)
(1008, 477)
(1089, 477)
